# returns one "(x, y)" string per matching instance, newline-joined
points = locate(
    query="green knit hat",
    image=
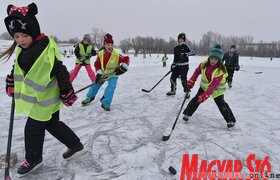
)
(216, 52)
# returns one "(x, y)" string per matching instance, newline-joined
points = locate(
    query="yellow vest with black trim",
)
(36, 93)
(204, 84)
(112, 64)
(84, 53)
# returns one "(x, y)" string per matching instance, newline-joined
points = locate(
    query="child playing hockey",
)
(164, 59)
(108, 63)
(39, 84)
(83, 51)
(213, 83)
(180, 65)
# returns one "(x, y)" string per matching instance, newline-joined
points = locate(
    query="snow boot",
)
(186, 117)
(26, 168)
(105, 108)
(230, 84)
(171, 93)
(87, 101)
(71, 153)
(230, 124)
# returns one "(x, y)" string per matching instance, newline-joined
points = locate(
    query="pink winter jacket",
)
(209, 70)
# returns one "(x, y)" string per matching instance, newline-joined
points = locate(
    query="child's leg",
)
(93, 90)
(34, 134)
(62, 132)
(193, 104)
(173, 79)
(109, 92)
(74, 72)
(183, 73)
(90, 72)
(224, 109)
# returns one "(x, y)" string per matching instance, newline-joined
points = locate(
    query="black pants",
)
(179, 71)
(220, 102)
(163, 63)
(230, 71)
(34, 134)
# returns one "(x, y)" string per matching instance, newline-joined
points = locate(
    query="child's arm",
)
(215, 83)
(196, 73)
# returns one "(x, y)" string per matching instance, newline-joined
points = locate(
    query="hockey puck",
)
(172, 170)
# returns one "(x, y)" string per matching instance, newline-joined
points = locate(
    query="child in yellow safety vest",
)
(39, 84)
(213, 83)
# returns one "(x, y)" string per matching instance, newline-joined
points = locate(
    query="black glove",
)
(120, 70)
(173, 67)
(237, 68)
(98, 79)
(88, 56)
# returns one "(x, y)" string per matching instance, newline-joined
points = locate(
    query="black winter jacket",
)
(231, 59)
(182, 53)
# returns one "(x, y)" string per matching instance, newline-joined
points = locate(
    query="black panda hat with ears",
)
(22, 19)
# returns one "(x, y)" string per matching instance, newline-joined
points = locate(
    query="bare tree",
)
(125, 45)
(97, 37)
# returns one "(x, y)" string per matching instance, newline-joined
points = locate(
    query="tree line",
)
(157, 45)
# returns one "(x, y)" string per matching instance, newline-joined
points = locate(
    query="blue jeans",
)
(109, 91)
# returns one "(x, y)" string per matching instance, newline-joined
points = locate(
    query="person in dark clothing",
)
(180, 65)
(213, 83)
(83, 51)
(39, 84)
(231, 59)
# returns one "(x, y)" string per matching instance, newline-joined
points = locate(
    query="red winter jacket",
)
(209, 70)
(107, 55)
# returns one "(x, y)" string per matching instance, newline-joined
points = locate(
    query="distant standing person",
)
(231, 59)
(164, 59)
(83, 51)
(180, 65)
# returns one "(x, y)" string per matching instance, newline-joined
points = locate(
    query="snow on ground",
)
(125, 143)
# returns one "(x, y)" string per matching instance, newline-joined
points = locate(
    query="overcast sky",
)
(163, 18)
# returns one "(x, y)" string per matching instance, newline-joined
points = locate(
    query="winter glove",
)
(10, 85)
(88, 56)
(68, 97)
(237, 68)
(99, 79)
(120, 70)
(173, 67)
(190, 84)
(203, 97)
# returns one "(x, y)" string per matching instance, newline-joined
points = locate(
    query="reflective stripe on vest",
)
(84, 53)
(36, 94)
(112, 64)
(204, 83)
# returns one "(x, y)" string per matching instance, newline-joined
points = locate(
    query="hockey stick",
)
(257, 72)
(165, 138)
(9, 144)
(147, 91)
(102, 78)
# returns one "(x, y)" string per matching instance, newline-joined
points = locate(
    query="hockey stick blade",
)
(166, 138)
(144, 90)
(258, 72)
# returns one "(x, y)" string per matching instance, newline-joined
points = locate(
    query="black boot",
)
(71, 153)
(27, 167)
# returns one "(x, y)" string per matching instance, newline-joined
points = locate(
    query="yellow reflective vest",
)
(84, 53)
(113, 62)
(36, 93)
(204, 84)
